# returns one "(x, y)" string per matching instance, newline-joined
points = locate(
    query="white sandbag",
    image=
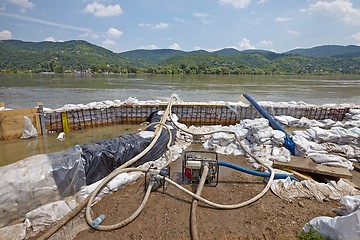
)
(47, 214)
(29, 129)
(278, 137)
(302, 145)
(288, 190)
(351, 203)
(322, 158)
(328, 123)
(241, 133)
(123, 179)
(280, 154)
(324, 135)
(283, 120)
(22, 190)
(348, 164)
(342, 150)
(346, 136)
(341, 227)
(331, 160)
(13, 232)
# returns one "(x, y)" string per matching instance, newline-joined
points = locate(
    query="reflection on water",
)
(14, 150)
(24, 90)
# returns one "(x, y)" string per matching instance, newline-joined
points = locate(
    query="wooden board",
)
(356, 166)
(308, 165)
(12, 122)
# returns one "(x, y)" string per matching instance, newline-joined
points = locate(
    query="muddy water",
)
(14, 150)
(25, 90)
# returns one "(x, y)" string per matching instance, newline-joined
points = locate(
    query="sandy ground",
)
(167, 215)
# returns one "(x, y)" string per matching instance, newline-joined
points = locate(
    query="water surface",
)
(25, 90)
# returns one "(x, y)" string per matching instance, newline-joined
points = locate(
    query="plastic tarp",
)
(340, 227)
(37, 180)
(45, 178)
(102, 157)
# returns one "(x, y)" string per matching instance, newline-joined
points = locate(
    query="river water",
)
(25, 90)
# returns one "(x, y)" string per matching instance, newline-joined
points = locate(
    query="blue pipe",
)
(289, 143)
(256, 173)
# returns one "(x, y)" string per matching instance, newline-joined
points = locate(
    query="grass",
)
(312, 234)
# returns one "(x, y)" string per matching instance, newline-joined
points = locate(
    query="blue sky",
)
(122, 25)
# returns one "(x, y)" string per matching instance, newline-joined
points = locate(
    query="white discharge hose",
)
(221, 206)
(194, 204)
(196, 195)
(123, 169)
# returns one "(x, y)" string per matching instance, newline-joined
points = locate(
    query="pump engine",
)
(193, 164)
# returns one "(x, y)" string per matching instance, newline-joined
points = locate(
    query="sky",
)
(188, 25)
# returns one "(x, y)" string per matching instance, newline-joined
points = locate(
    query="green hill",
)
(74, 55)
(48, 56)
(337, 51)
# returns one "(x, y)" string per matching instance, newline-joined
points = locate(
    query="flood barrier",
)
(189, 114)
(12, 124)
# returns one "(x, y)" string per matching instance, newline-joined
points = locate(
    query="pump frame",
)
(208, 157)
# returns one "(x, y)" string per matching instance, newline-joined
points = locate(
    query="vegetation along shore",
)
(82, 57)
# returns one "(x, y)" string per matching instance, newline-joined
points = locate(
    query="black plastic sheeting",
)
(68, 170)
(86, 164)
(102, 157)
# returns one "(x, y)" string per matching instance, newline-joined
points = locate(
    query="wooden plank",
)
(307, 165)
(356, 166)
(12, 122)
(302, 176)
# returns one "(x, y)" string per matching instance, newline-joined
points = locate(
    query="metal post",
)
(42, 118)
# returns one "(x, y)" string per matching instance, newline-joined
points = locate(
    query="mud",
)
(167, 215)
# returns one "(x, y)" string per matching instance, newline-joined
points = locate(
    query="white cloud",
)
(179, 20)
(151, 46)
(161, 25)
(238, 4)
(282, 19)
(342, 9)
(292, 32)
(113, 32)
(89, 35)
(265, 44)
(100, 10)
(49, 39)
(262, 1)
(23, 3)
(355, 37)
(108, 43)
(175, 46)
(5, 35)
(204, 17)
(245, 44)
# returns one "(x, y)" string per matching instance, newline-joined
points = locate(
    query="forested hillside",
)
(81, 56)
(56, 56)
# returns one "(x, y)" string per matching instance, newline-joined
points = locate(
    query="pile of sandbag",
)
(260, 139)
(288, 190)
(336, 146)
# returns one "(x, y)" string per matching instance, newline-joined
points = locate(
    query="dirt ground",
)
(167, 215)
